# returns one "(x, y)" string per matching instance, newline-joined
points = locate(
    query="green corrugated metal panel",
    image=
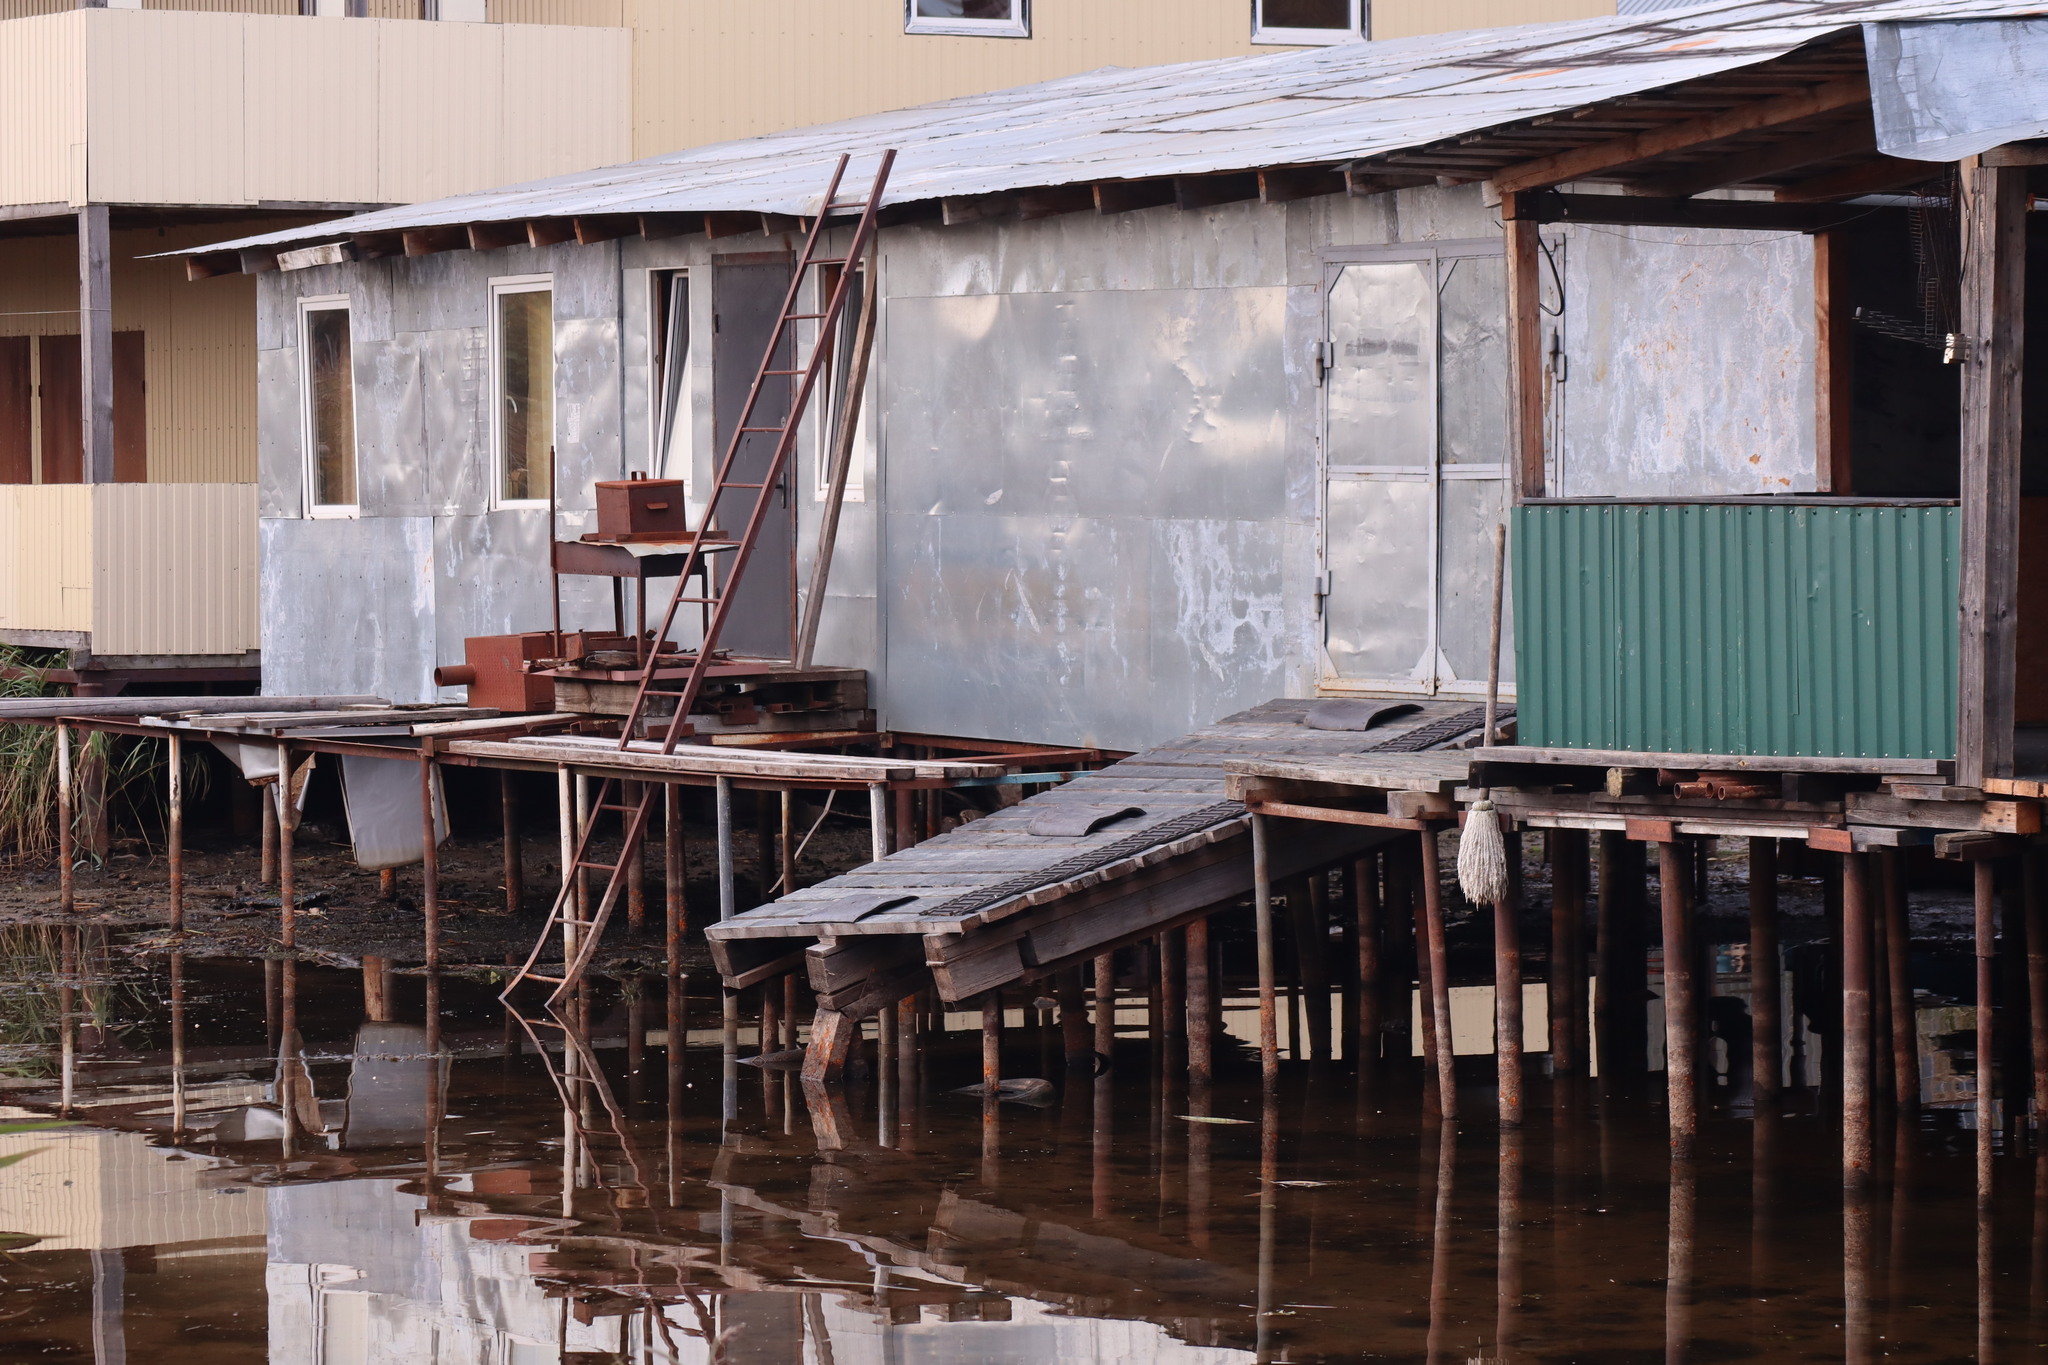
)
(1737, 629)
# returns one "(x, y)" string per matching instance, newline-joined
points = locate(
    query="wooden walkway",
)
(1105, 859)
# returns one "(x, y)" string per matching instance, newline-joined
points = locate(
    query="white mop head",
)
(1482, 857)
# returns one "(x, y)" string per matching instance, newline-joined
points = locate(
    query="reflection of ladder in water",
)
(634, 816)
(579, 1070)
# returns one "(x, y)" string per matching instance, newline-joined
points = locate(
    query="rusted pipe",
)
(1898, 983)
(1984, 945)
(1105, 1007)
(1567, 966)
(1856, 1020)
(1262, 913)
(1365, 910)
(1681, 1015)
(287, 826)
(1201, 1006)
(266, 871)
(878, 821)
(1766, 1060)
(786, 844)
(1443, 1043)
(1507, 987)
(174, 832)
(515, 861)
(634, 852)
(565, 817)
(2037, 1020)
(674, 871)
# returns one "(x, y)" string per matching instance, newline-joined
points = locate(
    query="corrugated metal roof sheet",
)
(1275, 109)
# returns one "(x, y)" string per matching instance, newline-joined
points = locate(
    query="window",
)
(1309, 21)
(523, 374)
(838, 371)
(973, 18)
(328, 385)
(670, 391)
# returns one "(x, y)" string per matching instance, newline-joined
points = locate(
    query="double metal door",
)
(1415, 458)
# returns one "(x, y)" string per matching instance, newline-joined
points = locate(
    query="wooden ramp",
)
(1106, 859)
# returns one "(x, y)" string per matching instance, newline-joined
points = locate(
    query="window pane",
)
(674, 349)
(969, 9)
(526, 392)
(331, 396)
(1382, 380)
(1305, 14)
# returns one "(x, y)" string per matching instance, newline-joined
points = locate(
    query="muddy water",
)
(266, 1174)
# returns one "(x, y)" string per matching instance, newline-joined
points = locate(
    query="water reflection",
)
(296, 1163)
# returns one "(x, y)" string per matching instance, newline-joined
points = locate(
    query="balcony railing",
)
(1812, 626)
(130, 569)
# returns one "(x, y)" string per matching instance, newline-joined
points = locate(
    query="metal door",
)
(1415, 466)
(746, 301)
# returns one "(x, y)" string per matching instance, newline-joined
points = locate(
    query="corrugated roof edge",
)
(1233, 114)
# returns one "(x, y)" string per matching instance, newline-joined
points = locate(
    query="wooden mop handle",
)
(1500, 570)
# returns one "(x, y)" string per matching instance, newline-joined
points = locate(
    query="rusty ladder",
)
(634, 815)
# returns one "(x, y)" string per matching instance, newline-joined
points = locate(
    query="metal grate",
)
(1441, 731)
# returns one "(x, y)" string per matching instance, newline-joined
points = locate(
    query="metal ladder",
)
(634, 815)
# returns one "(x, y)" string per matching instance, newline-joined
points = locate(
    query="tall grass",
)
(134, 769)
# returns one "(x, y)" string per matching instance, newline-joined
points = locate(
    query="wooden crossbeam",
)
(976, 208)
(496, 236)
(1876, 176)
(1601, 157)
(605, 227)
(550, 231)
(718, 225)
(1122, 196)
(656, 226)
(1286, 184)
(428, 241)
(1793, 153)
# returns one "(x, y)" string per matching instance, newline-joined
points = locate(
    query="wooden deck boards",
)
(1178, 784)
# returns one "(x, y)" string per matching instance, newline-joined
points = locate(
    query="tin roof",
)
(1288, 108)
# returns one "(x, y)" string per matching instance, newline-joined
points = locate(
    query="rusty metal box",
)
(641, 509)
(494, 668)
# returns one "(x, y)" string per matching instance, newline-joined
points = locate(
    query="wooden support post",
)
(565, 814)
(287, 827)
(1681, 1011)
(769, 1036)
(790, 986)
(1262, 912)
(832, 1037)
(174, 832)
(1895, 980)
(1309, 919)
(514, 853)
(377, 990)
(991, 1043)
(1201, 1006)
(903, 828)
(1856, 1020)
(1173, 987)
(67, 892)
(728, 899)
(786, 843)
(635, 856)
(1507, 986)
(878, 821)
(1074, 1037)
(1105, 1007)
(1621, 980)
(1767, 1040)
(1567, 903)
(1400, 971)
(1443, 1042)
(1525, 353)
(96, 344)
(764, 845)
(266, 867)
(1992, 209)
(675, 875)
(1833, 347)
(1365, 911)
(430, 856)
(1984, 945)
(2037, 1030)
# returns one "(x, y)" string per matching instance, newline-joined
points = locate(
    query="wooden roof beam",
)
(718, 224)
(1879, 175)
(1795, 152)
(1285, 184)
(604, 227)
(1609, 155)
(550, 231)
(212, 265)
(1375, 180)
(376, 246)
(1208, 191)
(1051, 201)
(976, 208)
(656, 226)
(496, 236)
(428, 241)
(1123, 196)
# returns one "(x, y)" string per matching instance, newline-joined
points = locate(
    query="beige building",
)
(128, 401)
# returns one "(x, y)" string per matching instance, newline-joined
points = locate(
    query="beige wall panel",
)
(25, 9)
(85, 1190)
(546, 129)
(393, 9)
(227, 6)
(594, 13)
(165, 105)
(42, 110)
(1407, 18)
(438, 120)
(46, 557)
(312, 90)
(176, 569)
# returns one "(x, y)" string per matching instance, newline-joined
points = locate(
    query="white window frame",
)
(1018, 26)
(308, 452)
(500, 287)
(827, 421)
(1361, 13)
(684, 421)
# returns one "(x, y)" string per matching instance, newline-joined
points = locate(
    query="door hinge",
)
(1322, 590)
(1322, 359)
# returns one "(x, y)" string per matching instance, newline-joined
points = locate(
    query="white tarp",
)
(383, 797)
(1946, 89)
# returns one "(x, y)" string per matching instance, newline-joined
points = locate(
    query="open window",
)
(523, 385)
(1309, 22)
(969, 18)
(669, 349)
(328, 406)
(834, 384)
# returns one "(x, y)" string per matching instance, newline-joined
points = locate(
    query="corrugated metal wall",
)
(175, 572)
(42, 107)
(1736, 629)
(45, 557)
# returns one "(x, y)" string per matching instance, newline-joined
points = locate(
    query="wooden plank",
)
(96, 343)
(1720, 763)
(1993, 211)
(702, 760)
(1833, 346)
(2026, 787)
(1878, 175)
(1525, 355)
(1772, 159)
(1976, 846)
(1333, 816)
(1998, 817)
(1751, 116)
